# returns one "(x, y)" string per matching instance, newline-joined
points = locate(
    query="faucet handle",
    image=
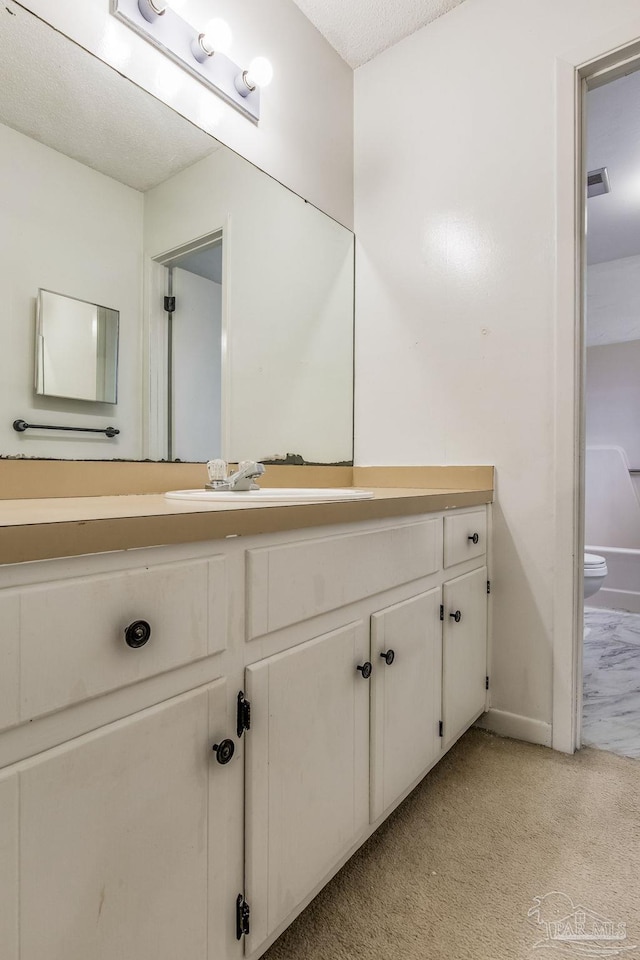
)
(251, 467)
(217, 470)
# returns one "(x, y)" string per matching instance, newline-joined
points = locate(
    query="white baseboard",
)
(516, 727)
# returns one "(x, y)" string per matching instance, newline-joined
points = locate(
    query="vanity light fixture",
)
(203, 53)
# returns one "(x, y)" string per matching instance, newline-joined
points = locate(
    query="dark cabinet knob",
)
(224, 751)
(137, 634)
(457, 616)
(474, 537)
(365, 669)
(388, 657)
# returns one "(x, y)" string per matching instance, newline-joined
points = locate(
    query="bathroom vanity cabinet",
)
(195, 738)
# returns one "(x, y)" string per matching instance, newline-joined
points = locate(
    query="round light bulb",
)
(260, 72)
(217, 36)
(151, 9)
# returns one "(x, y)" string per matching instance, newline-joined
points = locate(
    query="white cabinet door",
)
(307, 770)
(405, 696)
(114, 843)
(9, 866)
(464, 651)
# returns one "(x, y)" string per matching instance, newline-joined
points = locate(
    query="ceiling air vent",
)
(598, 182)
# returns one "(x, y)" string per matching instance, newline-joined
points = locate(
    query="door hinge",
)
(486, 683)
(243, 715)
(441, 612)
(243, 917)
(169, 304)
(440, 729)
(488, 586)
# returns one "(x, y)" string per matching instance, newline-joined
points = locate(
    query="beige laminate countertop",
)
(41, 529)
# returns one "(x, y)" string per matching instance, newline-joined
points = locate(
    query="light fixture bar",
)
(174, 37)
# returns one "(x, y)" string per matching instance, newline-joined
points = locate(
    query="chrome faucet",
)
(241, 480)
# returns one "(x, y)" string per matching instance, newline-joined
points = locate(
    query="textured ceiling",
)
(54, 91)
(360, 29)
(613, 141)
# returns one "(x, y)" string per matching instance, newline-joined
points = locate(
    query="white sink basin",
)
(273, 495)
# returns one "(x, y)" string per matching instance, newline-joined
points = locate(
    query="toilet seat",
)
(594, 566)
(592, 559)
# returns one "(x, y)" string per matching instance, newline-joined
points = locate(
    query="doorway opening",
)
(190, 381)
(609, 681)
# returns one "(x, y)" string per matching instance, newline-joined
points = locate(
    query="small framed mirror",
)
(76, 349)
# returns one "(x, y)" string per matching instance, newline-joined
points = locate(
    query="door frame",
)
(155, 347)
(591, 65)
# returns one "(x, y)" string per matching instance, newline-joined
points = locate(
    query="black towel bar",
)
(21, 425)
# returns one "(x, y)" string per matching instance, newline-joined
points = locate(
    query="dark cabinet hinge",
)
(440, 729)
(243, 715)
(169, 304)
(243, 917)
(441, 612)
(488, 586)
(486, 683)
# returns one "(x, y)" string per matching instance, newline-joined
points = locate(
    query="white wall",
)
(305, 135)
(612, 507)
(455, 160)
(289, 296)
(613, 301)
(613, 398)
(613, 365)
(71, 230)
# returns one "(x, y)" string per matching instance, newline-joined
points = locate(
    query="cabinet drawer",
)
(71, 633)
(465, 536)
(297, 581)
(9, 658)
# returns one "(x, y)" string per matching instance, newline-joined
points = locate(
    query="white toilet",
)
(595, 571)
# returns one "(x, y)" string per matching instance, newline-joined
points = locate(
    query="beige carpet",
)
(453, 873)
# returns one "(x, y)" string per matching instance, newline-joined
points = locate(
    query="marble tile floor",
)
(611, 672)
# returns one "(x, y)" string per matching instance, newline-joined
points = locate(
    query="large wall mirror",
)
(227, 328)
